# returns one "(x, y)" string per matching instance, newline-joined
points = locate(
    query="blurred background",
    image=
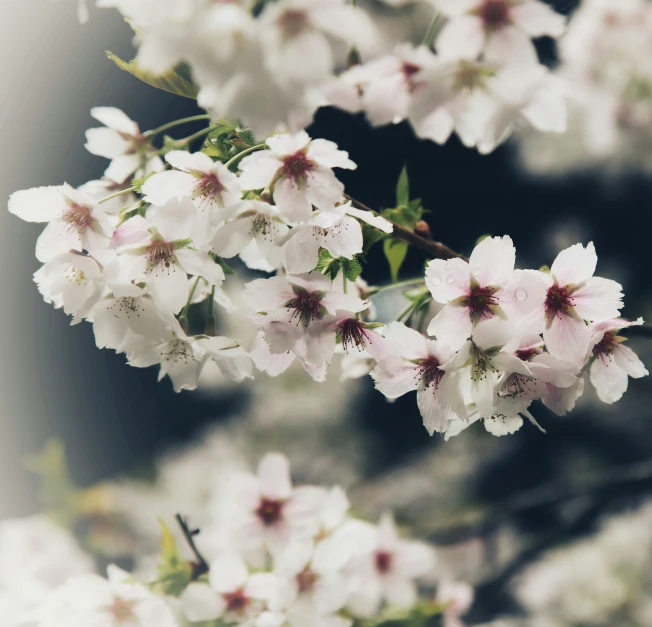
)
(498, 505)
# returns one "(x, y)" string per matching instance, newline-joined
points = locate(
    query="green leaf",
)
(327, 265)
(174, 573)
(370, 236)
(482, 237)
(228, 270)
(351, 268)
(405, 215)
(176, 81)
(395, 252)
(403, 188)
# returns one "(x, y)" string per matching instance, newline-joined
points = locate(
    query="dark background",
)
(111, 416)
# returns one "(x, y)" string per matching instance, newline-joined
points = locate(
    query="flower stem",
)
(210, 318)
(244, 153)
(390, 286)
(120, 193)
(429, 37)
(183, 318)
(169, 125)
(197, 135)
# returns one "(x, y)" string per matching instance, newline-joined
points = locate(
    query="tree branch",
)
(200, 567)
(644, 330)
(437, 250)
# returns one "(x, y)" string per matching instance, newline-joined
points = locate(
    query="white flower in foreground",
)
(478, 290)
(416, 363)
(297, 36)
(232, 593)
(76, 221)
(300, 172)
(93, 601)
(182, 358)
(209, 183)
(289, 306)
(264, 510)
(71, 281)
(502, 29)
(157, 250)
(389, 572)
(121, 141)
(457, 596)
(336, 230)
(573, 296)
(253, 221)
(612, 362)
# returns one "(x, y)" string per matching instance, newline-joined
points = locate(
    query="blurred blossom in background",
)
(533, 530)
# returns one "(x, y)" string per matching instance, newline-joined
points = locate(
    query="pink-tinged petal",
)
(608, 379)
(302, 251)
(483, 393)
(267, 294)
(523, 299)
(287, 144)
(547, 368)
(437, 125)
(327, 153)
(401, 593)
(57, 238)
(274, 476)
(574, 264)
(189, 162)
(169, 288)
(455, 8)
(261, 586)
(503, 425)
(387, 533)
(39, 204)
(492, 261)
(506, 362)
(493, 333)
(133, 232)
(228, 573)
(175, 219)
(266, 361)
(567, 338)
(366, 216)
(320, 348)
(627, 359)
(435, 416)
(334, 301)
(414, 559)
(386, 99)
(258, 170)
(344, 239)
(406, 342)
(448, 280)
(291, 200)
(462, 38)
(233, 237)
(547, 109)
(105, 142)
(115, 119)
(199, 263)
(122, 168)
(395, 377)
(562, 400)
(598, 299)
(510, 43)
(538, 19)
(165, 186)
(323, 190)
(200, 603)
(452, 325)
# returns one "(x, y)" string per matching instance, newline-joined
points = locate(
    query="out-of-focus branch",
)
(644, 330)
(200, 567)
(437, 250)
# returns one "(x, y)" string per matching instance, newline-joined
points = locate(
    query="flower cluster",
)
(276, 555)
(136, 261)
(603, 55)
(484, 80)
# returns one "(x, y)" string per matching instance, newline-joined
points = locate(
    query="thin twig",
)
(200, 567)
(437, 250)
(644, 330)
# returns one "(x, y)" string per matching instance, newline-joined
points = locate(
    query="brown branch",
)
(644, 330)
(200, 567)
(437, 250)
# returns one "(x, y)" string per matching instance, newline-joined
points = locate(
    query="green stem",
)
(432, 31)
(244, 153)
(197, 135)
(183, 318)
(169, 125)
(120, 193)
(391, 286)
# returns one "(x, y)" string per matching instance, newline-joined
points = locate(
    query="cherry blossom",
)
(75, 221)
(121, 141)
(611, 363)
(416, 363)
(389, 571)
(299, 171)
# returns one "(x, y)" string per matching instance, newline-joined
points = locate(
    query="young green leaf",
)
(395, 252)
(351, 268)
(403, 188)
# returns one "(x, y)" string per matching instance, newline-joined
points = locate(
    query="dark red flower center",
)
(605, 347)
(209, 187)
(296, 166)
(429, 371)
(352, 333)
(293, 21)
(236, 601)
(384, 561)
(306, 580)
(306, 305)
(480, 302)
(526, 354)
(494, 14)
(270, 511)
(121, 610)
(558, 301)
(160, 254)
(409, 71)
(79, 217)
